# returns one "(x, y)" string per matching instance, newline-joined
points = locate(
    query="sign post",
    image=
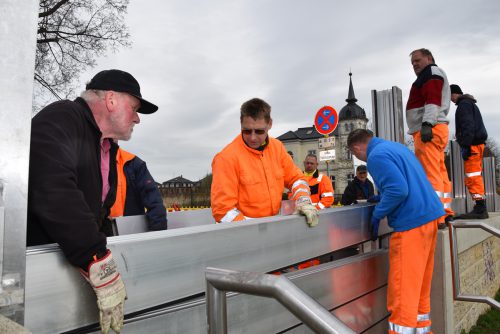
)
(326, 122)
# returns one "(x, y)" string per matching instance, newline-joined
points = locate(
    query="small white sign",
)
(326, 143)
(326, 155)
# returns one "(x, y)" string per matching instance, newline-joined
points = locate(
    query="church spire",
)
(351, 97)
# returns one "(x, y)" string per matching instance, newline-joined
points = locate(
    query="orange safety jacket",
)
(118, 207)
(321, 190)
(249, 183)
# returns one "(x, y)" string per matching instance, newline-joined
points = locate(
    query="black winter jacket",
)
(354, 191)
(469, 126)
(65, 186)
(142, 192)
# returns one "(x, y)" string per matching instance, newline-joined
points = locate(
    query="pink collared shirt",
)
(105, 147)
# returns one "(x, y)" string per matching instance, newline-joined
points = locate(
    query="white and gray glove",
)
(108, 286)
(304, 206)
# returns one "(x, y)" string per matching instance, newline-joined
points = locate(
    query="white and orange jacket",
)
(249, 183)
(321, 190)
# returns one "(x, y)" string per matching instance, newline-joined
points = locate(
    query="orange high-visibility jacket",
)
(321, 190)
(250, 183)
(121, 186)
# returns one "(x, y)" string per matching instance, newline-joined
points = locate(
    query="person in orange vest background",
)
(137, 192)
(250, 174)
(413, 210)
(471, 136)
(320, 185)
(426, 116)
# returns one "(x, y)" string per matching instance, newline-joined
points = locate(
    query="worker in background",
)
(412, 209)
(137, 192)
(320, 185)
(250, 174)
(471, 135)
(71, 180)
(426, 111)
(361, 188)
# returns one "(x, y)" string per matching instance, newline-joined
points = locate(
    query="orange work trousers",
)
(411, 262)
(431, 156)
(473, 168)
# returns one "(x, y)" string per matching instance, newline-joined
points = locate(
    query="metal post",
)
(17, 63)
(310, 312)
(216, 310)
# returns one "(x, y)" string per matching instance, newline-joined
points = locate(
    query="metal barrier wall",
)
(387, 109)
(164, 267)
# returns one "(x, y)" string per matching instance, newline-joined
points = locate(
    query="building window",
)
(311, 152)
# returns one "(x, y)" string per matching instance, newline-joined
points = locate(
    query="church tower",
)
(351, 117)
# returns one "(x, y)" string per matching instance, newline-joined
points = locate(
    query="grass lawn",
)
(487, 323)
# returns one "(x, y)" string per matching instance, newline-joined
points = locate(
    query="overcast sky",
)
(200, 60)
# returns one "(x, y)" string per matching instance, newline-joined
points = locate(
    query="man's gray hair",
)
(92, 95)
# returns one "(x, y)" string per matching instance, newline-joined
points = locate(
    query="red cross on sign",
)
(326, 120)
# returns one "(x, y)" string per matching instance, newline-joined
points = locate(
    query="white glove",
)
(108, 286)
(304, 206)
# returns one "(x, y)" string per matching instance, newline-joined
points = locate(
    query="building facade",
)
(305, 140)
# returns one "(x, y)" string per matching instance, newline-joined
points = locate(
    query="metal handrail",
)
(310, 312)
(457, 295)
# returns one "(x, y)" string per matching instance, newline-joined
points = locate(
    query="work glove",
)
(304, 206)
(374, 199)
(375, 222)
(466, 152)
(108, 286)
(426, 132)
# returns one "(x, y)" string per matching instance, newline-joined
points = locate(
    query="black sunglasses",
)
(249, 131)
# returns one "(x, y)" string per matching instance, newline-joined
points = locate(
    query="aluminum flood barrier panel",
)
(166, 266)
(353, 289)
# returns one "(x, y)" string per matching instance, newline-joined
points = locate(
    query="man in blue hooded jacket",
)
(412, 208)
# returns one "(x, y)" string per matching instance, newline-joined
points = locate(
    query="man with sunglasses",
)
(250, 174)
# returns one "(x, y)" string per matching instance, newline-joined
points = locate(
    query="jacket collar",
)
(372, 144)
(88, 114)
(258, 151)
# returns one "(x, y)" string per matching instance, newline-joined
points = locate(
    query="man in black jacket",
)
(71, 180)
(471, 135)
(358, 189)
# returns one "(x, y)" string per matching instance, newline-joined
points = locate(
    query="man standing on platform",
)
(426, 111)
(471, 136)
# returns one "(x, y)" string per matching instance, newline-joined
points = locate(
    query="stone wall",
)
(479, 275)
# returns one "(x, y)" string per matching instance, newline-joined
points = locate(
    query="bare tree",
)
(71, 34)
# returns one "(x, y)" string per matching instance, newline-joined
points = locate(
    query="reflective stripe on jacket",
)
(249, 183)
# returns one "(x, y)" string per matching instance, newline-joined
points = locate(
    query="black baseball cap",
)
(455, 89)
(121, 81)
(361, 168)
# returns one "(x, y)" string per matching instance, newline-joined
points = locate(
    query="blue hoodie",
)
(408, 199)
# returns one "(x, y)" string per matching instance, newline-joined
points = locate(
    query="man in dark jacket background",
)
(137, 192)
(471, 135)
(71, 180)
(361, 188)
